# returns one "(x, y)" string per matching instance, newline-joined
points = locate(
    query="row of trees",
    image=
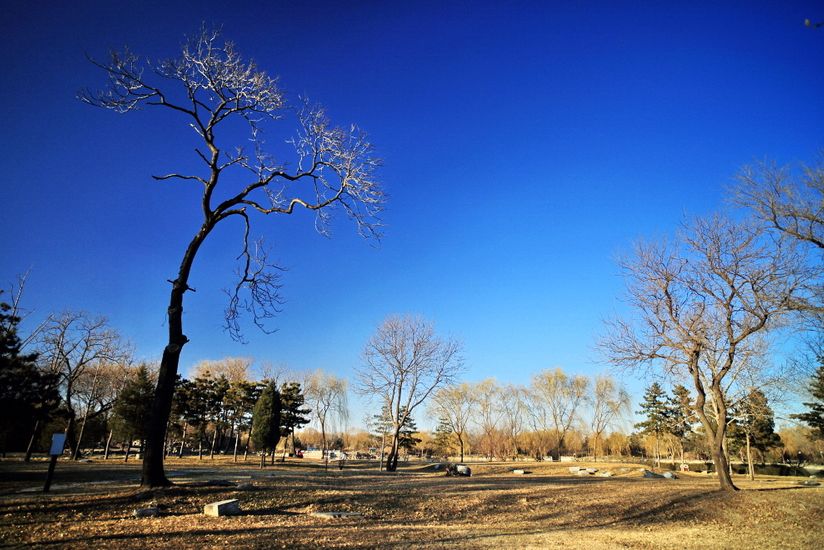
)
(549, 408)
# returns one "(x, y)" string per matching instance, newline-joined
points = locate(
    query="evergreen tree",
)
(681, 415)
(292, 415)
(657, 411)
(753, 426)
(814, 418)
(27, 395)
(131, 409)
(266, 427)
(443, 437)
(407, 439)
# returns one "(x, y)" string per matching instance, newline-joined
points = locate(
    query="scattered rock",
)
(605, 474)
(335, 515)
(670, 475)
(223, 508)
(583, 472)
(574, 469)
(519, 472)
(152, 511)
(592, 470)
(651, 475)
(248, 486)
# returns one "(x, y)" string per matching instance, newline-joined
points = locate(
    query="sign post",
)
(58, 441)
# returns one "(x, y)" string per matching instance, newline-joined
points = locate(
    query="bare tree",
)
(794, 206)
(513, 415)
(454, 405)
(211, 87)
(489, 414)
(78, 349)
(701, 305)
(326, 396)
(609, 403)
(559, 396)
(404, 363)
(234, 369)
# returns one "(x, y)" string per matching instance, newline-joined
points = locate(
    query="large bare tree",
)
(404, 363)
(212, 89)
(701, 305)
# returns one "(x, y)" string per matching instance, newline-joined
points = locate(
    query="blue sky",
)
(525, 146)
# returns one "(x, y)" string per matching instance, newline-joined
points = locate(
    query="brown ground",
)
(91, 506)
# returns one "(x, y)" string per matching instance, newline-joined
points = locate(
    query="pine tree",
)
(681, 415)
(292, 416)
(657, 411)
(27, 395)
(443, 436)
(814, 418)
(131, 409)
(266, 428)
(753, 426)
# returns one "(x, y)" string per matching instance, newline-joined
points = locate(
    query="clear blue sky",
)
(525, 144)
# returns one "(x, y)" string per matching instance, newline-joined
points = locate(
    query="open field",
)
(91, 506)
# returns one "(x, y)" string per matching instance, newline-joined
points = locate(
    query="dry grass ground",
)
(91, 507)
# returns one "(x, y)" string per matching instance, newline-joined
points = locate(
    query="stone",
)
(605, 474)
(809, 483)
(670, 475)
(583, 472)
(223, 508)
(592, 470)
(518, 472)
(652, 475)
(152, 511)
(458, 470)
(246, 486)
(463, 470)
(574, 469)
(334, 515)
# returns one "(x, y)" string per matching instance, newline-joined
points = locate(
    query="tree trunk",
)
(33, 438)
(237, 441)
(128, 449)
(108, 445)
(182, 440)
(212, 448)
(246, 446)
(749, 459)
(262, 459)
(200, 446)
(461, 444)
(392, 460)
(161, 408)
(383, 450)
